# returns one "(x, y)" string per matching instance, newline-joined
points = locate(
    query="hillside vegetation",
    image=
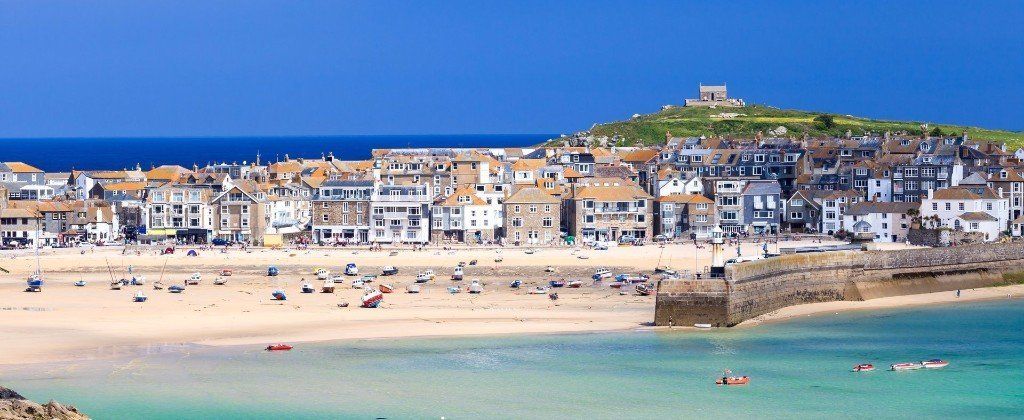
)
(697, 121)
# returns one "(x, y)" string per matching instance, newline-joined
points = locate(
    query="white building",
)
(967, 210)
(883, 222)
(401, 214)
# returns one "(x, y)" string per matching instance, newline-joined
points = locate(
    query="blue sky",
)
(213, 68)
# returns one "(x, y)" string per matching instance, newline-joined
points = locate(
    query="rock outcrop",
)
(13, 406)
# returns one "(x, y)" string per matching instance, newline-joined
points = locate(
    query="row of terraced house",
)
(875, 187)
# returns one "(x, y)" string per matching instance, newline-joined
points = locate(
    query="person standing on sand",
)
(958, 293)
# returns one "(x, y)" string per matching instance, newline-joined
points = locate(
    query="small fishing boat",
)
(497, 260)
(476, 288)
(322, 274)
(662, 269)
(530, 251)
(556, 283)
(461, 264)
(176, 289)
(412, 288)
(115, 285)
(574, 284)
(194, 279)
(643, 290)
(351, 269)
(279, 347)
(158, 285)
(220, 281)
(372, 298)
(864, 367)
(393, 254)
(454, 289)
(279, 295)
(602, 273)
(423, 277)
(307, 288)
(539, 290)
(631, 278)
(515, 284)
(357, 284)
(328, 286)
(457, 274)
(733, 380)
(138, 281)
(139, 297)
(272, 271)
(80, 283)
(386, 288)
(473, 262)
(934, 363)
(225, 272)
(35, 283)
(343, 305)
(905, 366)
(368, 278)
(702, 326)
(338, 279)
(389, 270)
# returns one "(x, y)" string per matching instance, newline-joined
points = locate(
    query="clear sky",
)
(253, 67)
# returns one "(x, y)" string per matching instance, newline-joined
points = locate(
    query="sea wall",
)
(759, 287)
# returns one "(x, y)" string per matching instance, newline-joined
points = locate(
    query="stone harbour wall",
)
(759, 287)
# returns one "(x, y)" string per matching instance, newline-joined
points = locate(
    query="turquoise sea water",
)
(800, 369)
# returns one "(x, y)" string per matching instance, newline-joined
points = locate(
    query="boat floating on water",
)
(905, 366)
(864, 367)
(934, 363)
(278, 347)
(733, 380)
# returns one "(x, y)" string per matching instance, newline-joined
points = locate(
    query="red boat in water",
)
(733, 380)
(278, 347)
(865, 367)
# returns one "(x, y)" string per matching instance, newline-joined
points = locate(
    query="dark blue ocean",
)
(64, 154)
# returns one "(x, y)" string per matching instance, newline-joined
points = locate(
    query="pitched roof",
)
(685, 199)
(531, 195)
(166, 173)
(528, 164)
(464, 191)
(21, 167)
(642, 155)
(621, 192)
(977, 216)
(868, 207)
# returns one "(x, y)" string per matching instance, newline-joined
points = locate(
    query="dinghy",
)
(322, 274)
(139, 297)
(176, 289)
(351, 269)
(476, 288)
(386, 288)
(279, 347)
(220, 281)
(328, 286)
(389, 270)
(194, 279)
(80, 283)
(412, 288)
(279, 295)
(307, 288)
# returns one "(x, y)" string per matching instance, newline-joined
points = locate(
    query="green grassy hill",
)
(697, 121)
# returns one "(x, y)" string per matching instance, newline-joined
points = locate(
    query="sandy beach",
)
(65, 321)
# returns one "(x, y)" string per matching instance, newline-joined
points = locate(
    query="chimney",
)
(931, 193)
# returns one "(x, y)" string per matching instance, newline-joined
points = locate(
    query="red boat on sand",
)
(278, 347)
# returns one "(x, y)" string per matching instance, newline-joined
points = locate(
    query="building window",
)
(325, 218)
(547, 222)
